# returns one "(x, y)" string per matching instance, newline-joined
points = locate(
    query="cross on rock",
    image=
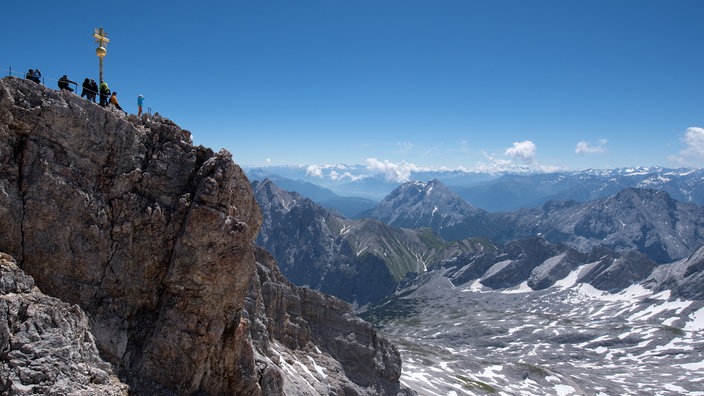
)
(101, 37)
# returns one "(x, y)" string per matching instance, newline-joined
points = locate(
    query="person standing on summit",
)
(86, 89)
(93, 90)
(104, 93)
(140, 102)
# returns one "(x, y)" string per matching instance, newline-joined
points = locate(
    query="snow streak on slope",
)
(571, 339)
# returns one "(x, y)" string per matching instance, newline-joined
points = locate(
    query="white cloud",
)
(314, 170)
(584, 147)
(396, 172)
(495, 164)
(524, 150)
(693, 138)
(337, 176)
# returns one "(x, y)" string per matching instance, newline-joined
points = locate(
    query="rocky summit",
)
(145, 243)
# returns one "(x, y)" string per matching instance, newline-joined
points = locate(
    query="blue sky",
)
(484, 85)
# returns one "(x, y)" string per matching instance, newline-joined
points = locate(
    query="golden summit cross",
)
(101, 37)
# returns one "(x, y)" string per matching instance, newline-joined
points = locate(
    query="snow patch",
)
(564, 390)
(522, 288)
(697, 321)
(319, 369)
(678, 306)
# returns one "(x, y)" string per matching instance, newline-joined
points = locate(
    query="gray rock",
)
(685, 278)
(45, 344)
(153, 238)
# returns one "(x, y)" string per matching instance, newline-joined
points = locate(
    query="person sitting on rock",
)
(113, 101)
(30, 75)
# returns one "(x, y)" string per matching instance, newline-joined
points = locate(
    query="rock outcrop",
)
(320, 344)
(684, 278)
(153, 238)
(45, 344)
(541, 264)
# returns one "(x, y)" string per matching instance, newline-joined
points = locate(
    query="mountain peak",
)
(153, 238)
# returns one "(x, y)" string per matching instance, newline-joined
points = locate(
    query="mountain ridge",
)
(153, 238)
(638, 219)
(360, 261)
(501, 191)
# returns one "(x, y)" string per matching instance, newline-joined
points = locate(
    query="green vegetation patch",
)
(393, 309)
(531, 369)
(471, 384)
(674, 330)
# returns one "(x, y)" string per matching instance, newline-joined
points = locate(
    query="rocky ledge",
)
(153, 238)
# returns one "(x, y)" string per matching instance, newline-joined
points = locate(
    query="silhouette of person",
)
(140, 102)
(93, 90)
(32, 75)
(86, 88)
(63, 83)
(37, 76)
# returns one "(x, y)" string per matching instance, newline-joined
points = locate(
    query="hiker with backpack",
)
(104, 93)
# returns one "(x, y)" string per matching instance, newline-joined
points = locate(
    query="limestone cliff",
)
(45, 344)
(153, 238)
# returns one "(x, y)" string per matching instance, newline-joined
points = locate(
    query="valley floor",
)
(571, 339)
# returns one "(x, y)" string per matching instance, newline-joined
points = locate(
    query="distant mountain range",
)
(360, 261)
(491, 192)
(515, 191)
(601, 296)
(645, 220)
(412, 229)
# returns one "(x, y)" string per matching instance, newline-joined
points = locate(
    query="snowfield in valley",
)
(570, 339)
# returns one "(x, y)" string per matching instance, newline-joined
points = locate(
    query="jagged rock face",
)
(648, 221)
(307, 243)
(45, 344)
(151, 236)
(685, 278)
(342, 353)
(540, 264)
